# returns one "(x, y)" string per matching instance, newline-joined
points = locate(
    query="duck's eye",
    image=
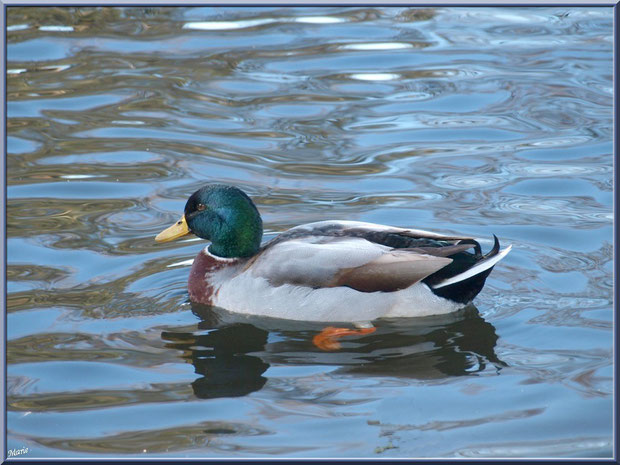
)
(200, 207)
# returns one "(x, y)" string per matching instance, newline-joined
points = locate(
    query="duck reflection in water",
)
(220, 356)
(232, 352)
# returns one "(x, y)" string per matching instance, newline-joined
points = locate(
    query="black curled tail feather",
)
(477, 248)
(495, 250)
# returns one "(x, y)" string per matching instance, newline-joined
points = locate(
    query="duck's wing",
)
(364, 256)
(343, 261)
(370, 257)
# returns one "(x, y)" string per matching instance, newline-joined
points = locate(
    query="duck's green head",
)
(224, 215)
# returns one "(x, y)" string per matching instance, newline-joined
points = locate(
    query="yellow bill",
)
(178, 229)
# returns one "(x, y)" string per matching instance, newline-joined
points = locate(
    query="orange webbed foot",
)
(326, 339)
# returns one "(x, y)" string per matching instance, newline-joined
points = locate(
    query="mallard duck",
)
(345, 271)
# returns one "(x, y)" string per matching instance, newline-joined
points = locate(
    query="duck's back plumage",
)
(347, 271)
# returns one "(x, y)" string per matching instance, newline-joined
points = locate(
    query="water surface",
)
(467, 121)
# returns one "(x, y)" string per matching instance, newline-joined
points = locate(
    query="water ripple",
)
(377, 46)
(375, 76)
(250, 23)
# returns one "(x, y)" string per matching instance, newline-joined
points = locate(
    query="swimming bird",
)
(327, 271)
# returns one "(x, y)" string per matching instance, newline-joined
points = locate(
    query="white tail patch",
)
(474, 270)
